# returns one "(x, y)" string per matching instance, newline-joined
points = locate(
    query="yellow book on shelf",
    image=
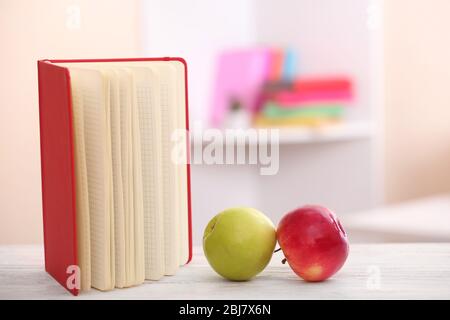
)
(262, 121)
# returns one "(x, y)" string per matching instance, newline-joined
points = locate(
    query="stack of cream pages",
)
(131, 195)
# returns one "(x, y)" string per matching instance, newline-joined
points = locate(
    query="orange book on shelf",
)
(276, 64)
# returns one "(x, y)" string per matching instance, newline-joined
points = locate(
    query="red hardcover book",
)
(58, 165)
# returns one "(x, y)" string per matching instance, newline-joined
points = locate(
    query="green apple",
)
(239, 242)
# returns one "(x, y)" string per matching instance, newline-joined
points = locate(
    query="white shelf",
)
(403, 222)
(342, 132)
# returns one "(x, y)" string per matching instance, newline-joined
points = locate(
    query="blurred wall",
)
(417, 128)
(32, 30)
(417, 71)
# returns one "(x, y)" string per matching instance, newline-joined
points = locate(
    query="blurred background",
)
(359, 89)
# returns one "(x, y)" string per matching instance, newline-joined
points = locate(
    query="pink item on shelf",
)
(293, 98)
(240, 77)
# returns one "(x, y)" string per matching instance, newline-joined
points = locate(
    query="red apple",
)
(313, 242)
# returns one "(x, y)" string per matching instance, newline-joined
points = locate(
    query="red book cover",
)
(57, 166)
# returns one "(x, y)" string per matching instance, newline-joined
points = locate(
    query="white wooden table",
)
(372, 271)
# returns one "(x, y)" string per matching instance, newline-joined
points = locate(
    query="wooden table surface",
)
(372, 271)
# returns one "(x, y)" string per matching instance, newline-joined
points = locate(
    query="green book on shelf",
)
(273, 110)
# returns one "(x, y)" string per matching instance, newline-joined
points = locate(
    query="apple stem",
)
(283, 261)
(277, 250)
